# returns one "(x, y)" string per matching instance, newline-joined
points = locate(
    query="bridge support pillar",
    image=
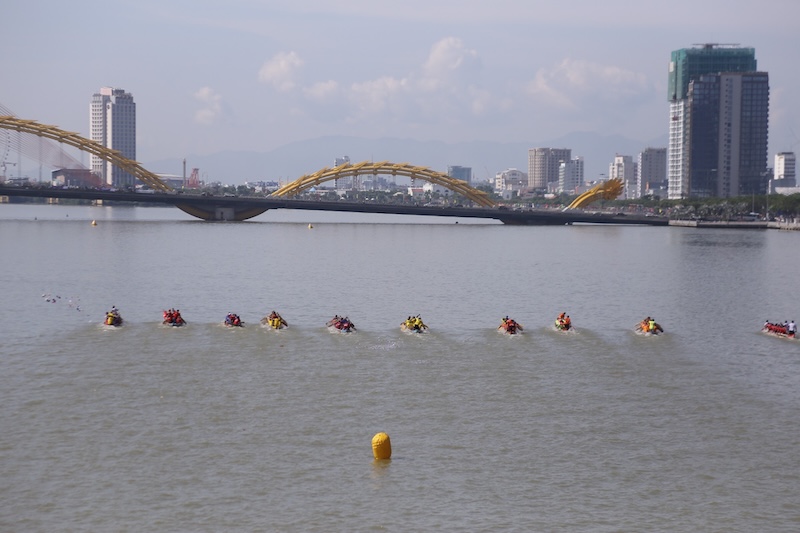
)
(224, 213)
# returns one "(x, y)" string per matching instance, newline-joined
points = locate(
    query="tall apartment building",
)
(719, 117)
(651, 170)
(623, 168)
(570, 175)
(112, 123)
(543, 165)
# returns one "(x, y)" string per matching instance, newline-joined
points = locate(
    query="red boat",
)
(172, 317)
(787, 330)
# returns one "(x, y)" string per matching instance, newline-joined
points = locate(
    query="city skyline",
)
(256, 77)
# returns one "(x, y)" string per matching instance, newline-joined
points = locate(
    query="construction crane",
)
(3, 164)
(194, 179)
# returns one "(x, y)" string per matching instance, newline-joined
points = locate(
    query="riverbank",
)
(736, 224)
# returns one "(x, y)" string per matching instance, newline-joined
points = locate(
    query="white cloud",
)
(212, 106)
(481, 101)
(572, 83)
(449, 63)
(376, 96)
(322, 91)
(442, 88)
(280, 70)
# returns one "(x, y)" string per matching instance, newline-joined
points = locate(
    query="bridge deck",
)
(507, 216)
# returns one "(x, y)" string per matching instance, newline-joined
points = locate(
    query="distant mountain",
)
(486, 158)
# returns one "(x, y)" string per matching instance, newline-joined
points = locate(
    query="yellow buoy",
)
(94, 222)
(381, 446)
(310, 226)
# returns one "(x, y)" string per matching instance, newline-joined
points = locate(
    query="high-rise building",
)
(570, 175)
(651, 170)
(719, 113)
(460, 173)
(112, 123)
(623, 168)
(543, 165)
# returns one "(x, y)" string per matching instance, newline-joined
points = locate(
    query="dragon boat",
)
(339, 324)
(413, 324)
(787, 330)
(172, 317)
(648, 326)
(563, 322)
(113, 318)
(509, 326)
(233, 320)
(275, 321)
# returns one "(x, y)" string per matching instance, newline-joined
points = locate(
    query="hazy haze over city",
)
(256, 75)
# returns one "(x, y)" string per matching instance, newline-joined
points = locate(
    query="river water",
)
(204, 428)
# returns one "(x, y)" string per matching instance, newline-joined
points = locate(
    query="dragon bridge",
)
(385, 168)
(606, 190)
(213, 212)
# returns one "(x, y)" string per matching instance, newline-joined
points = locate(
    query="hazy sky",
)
(253, 75)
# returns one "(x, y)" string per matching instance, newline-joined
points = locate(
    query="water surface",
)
(205, 428)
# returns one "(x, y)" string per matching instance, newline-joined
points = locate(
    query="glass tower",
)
(719, 109)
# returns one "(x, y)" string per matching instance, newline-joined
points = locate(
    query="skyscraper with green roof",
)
(719, 111)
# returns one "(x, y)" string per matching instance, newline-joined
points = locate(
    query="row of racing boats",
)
(341, 324)
(414, 324)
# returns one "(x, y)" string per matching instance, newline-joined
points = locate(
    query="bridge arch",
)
(385, 167)
(132, 167)
(93, 147)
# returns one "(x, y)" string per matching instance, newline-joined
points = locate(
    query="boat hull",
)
(780, 334)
